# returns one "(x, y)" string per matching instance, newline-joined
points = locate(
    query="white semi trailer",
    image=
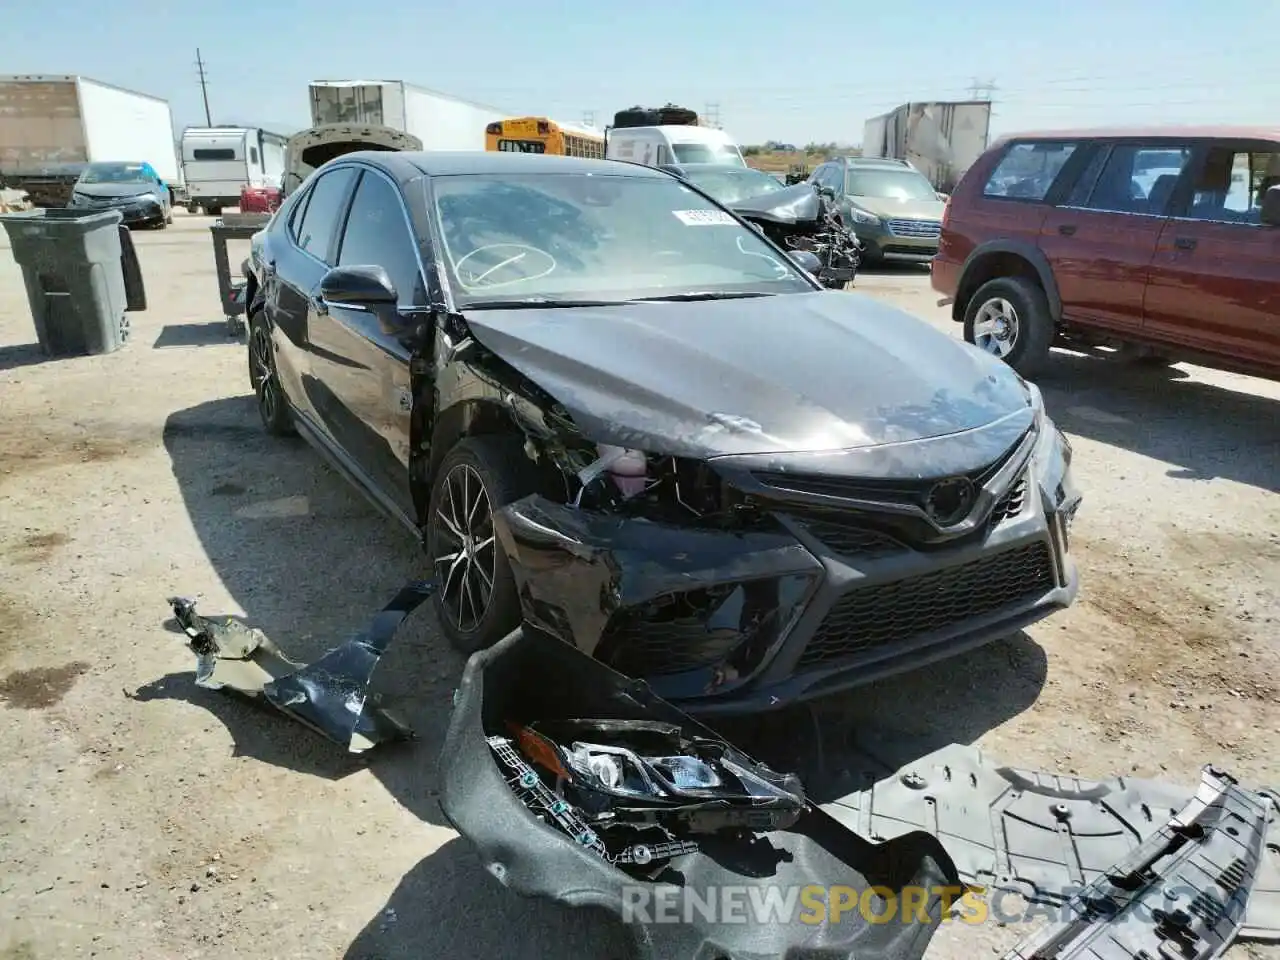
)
(50, 126)
(941, 139)
(440, 121)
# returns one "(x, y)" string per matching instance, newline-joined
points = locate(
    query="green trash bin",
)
(72, 267)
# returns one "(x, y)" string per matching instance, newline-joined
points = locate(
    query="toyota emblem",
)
(949, 501)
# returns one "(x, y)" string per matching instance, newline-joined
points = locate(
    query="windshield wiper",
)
(702, 295)
(530, 302)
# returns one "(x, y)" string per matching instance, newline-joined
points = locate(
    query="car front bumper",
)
(912, 241)
(734, 621)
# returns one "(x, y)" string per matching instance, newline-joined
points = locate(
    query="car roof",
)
(888, 162)
(445, 163)
(1150, 132)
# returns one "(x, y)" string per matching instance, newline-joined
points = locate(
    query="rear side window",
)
(206, 153)
(1230, 186)
(328, 195)
(1028, 170)
(253, 155)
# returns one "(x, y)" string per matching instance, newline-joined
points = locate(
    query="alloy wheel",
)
(995, 328)
(466, 560)
(265, 384)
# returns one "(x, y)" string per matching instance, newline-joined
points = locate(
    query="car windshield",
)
(543, 238)
(891, 185)
(707, 153)
(730, 186)
(113, 173)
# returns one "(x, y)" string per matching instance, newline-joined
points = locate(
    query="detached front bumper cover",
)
(330, 695)
(531, 677)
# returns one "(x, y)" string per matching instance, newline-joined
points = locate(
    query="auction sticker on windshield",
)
(703, 218)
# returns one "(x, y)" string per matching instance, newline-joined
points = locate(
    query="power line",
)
(204, 88)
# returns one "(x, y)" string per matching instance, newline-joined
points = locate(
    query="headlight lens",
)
(863, 216)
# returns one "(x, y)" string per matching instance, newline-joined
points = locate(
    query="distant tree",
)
(752, 150)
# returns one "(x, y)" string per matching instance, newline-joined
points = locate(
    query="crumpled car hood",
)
(787, 373)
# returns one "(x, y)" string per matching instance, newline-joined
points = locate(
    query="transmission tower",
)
(711, 115)
(588, 118)
(982, 91)
(204, 87)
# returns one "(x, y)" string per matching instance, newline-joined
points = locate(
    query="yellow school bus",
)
(540, 135)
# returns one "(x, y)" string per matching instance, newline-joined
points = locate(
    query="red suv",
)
(1164, 244)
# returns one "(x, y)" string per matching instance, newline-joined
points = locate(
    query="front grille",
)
(649, 647)
(1011, 504)
(916, 229)
(870, 617)
(843, 531)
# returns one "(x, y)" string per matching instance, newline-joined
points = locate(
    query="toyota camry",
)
(609, 407)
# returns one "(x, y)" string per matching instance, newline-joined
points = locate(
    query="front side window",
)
(549, 237)
(1232, 183)
(328, 194)
(1138, 179)
(377, 235)
(902, 184)
(1027, 171)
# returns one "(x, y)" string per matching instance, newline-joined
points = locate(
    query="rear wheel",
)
(477, 601)
(1009, 318)
(273, 405)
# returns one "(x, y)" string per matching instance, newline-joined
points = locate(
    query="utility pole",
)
(204, 88)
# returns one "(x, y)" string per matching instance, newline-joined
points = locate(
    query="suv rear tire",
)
(1009, 318)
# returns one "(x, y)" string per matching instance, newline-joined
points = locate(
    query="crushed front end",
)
(750, 581)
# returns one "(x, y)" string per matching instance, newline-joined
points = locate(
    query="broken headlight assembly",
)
(646, 775)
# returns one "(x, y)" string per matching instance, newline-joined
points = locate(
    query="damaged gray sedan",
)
(609, 407)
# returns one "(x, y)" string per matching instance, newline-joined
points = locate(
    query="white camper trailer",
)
(217, 162)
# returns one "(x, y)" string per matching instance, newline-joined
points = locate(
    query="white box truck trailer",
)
(51, 126)
(440, 121)
(941, 139)
(217, 162)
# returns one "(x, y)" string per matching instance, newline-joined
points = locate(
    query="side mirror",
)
(806, 260)
(358, 286)
(825, 191)
(1270, 214)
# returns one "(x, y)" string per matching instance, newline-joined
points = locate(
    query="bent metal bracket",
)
(330, 695)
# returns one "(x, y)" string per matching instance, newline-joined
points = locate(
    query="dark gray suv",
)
(891, 206)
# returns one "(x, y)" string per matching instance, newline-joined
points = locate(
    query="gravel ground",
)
(140, 816)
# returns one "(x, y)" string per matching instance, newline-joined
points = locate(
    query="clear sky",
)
(795, 72)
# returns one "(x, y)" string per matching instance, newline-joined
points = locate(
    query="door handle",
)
(1067, 229)
(1185, 243)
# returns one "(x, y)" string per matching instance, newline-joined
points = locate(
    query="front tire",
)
(477, 602)
(1009, 318)
(273, 405)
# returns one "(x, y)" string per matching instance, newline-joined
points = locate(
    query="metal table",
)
(233, 226)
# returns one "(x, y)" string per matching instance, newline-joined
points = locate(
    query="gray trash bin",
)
(71, 264)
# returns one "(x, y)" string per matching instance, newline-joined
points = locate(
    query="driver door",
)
(361, 356)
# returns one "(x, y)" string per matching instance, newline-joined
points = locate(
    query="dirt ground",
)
(140, 816)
